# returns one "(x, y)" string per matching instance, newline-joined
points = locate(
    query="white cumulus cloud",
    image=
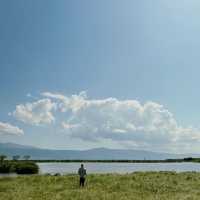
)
(8, 129)
(35, 113)
(126, 122)
(121, 120)
(74, 102)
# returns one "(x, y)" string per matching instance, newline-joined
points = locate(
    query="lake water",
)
(66, 168)
(8, 175)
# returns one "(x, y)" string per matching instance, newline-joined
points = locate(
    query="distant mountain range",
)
(11, 149)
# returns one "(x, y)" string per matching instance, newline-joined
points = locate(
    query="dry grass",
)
(136, 186)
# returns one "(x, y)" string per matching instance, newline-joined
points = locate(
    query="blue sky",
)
(127, 50)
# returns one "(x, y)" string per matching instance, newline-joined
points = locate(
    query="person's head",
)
(82, 165)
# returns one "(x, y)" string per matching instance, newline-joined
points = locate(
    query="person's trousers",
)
(82, 181)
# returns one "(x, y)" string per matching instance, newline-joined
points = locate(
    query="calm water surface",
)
(65, 168)
(8, 175)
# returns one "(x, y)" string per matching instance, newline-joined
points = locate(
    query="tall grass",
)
(137, 186)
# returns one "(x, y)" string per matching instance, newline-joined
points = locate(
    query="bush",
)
(26, 168)
(5, 167)
(20, 167)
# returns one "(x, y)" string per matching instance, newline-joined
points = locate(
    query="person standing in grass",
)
(82, 174)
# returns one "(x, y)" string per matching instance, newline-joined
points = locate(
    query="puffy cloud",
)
(8, 129)
(69, 126)
(35, 113)
(121, 120)
(74, 102)
(126, 122)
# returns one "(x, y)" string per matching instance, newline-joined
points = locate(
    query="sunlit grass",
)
(149, 186)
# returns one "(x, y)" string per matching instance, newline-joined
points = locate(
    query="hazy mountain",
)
(13, 145)
(11, 149)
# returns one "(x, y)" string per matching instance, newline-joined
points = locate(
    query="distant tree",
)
(2, 158)
(188, 159)
(27, 157)
(16, 157)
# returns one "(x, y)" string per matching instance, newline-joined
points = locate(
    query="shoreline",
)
(196, 160)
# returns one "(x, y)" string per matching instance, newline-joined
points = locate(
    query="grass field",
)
(143, 186)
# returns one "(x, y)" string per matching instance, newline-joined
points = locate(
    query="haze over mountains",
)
(11, 149)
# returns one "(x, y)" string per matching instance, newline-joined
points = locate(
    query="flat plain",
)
(135, 186)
